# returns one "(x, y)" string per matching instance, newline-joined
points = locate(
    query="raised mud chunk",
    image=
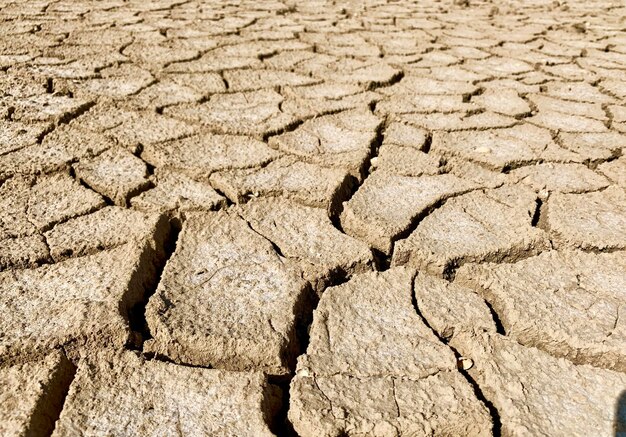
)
(507, 102)
(450, 308)
(307, 235)
(562, 178)
(501, 149)
(373, 367)
(226, 299)
(201, 155)
(538, 394)
(309, 184)
(490, 225)
(459, 121)
(31, 395)
(81, 304)
(386, 205)
(340, 140)
(255, 113)
(177, 191)
(105, 229)
(569, 304)
(24, 251)
(30, 204)
(131, 396)
(116, 174)
(590, 221)
(615, 170)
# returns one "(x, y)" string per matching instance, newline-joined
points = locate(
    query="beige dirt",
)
(315, 218)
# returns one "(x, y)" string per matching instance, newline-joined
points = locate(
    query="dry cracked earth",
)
(360, 218)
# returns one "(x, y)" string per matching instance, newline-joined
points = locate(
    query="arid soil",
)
(359, 218)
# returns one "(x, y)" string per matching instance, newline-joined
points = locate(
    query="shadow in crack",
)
(620, 416)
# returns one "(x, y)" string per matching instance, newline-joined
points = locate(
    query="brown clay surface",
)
(319, 218)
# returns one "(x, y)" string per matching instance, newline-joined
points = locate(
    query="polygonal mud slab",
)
(440, 404)
(615, 170)
(201, 155)
(490, 225)
(307, 235)
(133, 128)
(497, 66)
(548, 104)
(538, 394)
(426, 85)
(141, 128)
(309, 184)
(366, 74)
(559, 122)
(474, 172)
(507, 102)
(424, 103)
(249, 80)
(203, 83)
(29, 204)
(116, 174)
(305, 108)
(373, 367)
(569, 304)
(45, 107)
(22, 252)
(130, 396)
(405, 161)
(341, 140)
(459, 121)
(594, 146)
(255, 113)
(165, 93)
(450, 308)
(31, 395)
(590, 221)
(501, 149)
(16, 135)
(386, 205)
(351, 334)
(177, 191)
(577, 91)
(227, 299)
(105, 229)
(405, 135)
(158, 55)
(563, 178)
(116, 83)
(81, 304)
(59, 148)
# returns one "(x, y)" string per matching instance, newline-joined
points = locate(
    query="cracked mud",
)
(321, 218)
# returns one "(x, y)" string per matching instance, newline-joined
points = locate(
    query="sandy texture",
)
(409, 216)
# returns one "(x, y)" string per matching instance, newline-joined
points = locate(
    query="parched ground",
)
(359, 218)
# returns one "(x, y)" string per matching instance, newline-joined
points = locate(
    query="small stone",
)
(466, 363)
